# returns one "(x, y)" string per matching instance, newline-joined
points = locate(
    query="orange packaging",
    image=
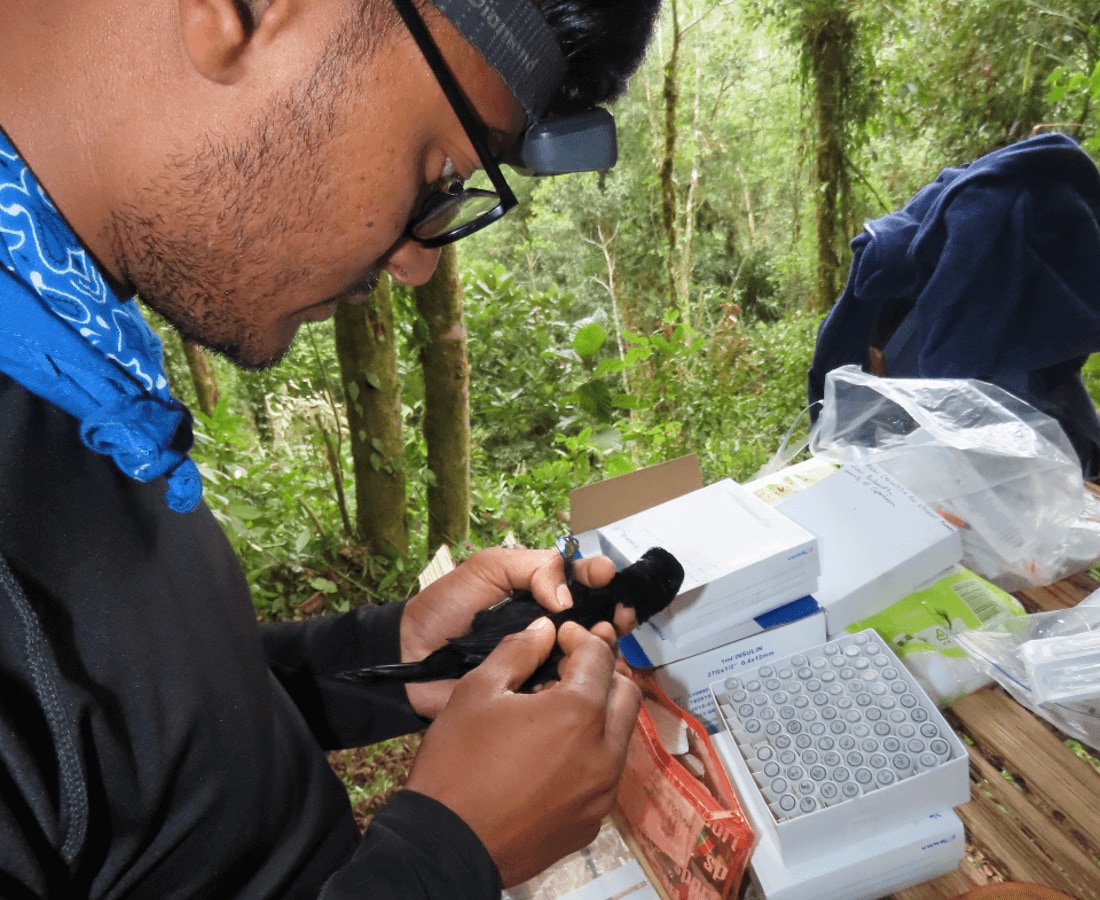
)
(680, 812)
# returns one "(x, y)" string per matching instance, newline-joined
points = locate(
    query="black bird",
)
(648, 586)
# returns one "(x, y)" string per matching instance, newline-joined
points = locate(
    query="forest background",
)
(619, 319)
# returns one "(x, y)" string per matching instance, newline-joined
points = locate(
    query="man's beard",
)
(246, 195)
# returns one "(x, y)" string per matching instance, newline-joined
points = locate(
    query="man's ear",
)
(216, 33)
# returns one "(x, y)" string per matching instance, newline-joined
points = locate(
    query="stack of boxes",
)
(769, 582)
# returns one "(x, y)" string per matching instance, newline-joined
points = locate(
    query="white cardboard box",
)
(686, 682)
(877, 541)
(924, 788)
(883, 861)
(741, 558)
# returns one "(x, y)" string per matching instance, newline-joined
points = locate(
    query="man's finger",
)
(588, 664)
(605, 631)
(548, 582)
(623, 706)
(542, 572)
(596, 571)
(625, 619)
(590, 668)
(516, 658)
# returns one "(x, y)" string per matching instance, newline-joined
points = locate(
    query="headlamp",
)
(584, 142)
(515, 40)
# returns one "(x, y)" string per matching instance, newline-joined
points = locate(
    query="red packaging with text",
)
(680, 810)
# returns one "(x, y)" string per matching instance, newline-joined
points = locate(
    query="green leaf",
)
(302, 540)
(618, 464)
(589, 339)
(607, 440)
(610, 367)
(628, 401)
(373, 380)
(353, 391)
(324, 585)
(244, 511)
(594, 398)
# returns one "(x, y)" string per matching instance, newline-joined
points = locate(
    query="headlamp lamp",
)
(515, 40)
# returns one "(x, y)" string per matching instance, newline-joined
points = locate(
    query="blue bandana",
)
(67, 338)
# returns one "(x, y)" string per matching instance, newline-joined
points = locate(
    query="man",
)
(238, 165)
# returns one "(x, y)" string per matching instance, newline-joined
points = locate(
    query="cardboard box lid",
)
(604, 502)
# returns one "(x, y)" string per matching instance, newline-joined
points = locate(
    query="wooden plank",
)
(1003, 844)
(1065, 787)
(1021, 841)
(1044, 825)
(1062, 594)
(1052, 834)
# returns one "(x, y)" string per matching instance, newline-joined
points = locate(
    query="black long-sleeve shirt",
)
(154, 740)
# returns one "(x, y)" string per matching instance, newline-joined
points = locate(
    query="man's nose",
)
(411, 263)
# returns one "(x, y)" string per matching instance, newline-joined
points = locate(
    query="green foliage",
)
(730, 397)
(1090, 374)
(1067, 87)
(582, 365)
(276, 506)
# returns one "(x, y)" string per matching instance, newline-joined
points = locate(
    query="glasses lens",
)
(446, 213)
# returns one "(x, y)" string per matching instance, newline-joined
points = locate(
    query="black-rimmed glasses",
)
(457, 211)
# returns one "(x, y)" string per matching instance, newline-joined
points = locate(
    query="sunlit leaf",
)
(589, 340)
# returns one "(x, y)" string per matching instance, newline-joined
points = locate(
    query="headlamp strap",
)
(515, 40)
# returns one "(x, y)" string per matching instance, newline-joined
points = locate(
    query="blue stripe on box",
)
(633, 653)
(789, 612)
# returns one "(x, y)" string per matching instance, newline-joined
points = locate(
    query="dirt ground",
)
(372, 774)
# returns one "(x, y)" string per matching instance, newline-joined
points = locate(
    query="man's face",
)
(241, 240)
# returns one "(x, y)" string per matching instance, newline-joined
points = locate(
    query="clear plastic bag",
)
(1040, 658)
(996, 467)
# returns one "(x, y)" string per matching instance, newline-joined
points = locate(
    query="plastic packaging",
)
(1035, 659)
(993, 465)
(1063, 669)
(921, 628)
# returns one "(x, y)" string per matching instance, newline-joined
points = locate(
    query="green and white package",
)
(920, 629)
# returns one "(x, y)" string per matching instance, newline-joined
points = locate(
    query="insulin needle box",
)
(742, 558)
(838, 743)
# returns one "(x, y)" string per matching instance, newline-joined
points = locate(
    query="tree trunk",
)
(828, 39)
(670, 93)
(446, 403)
(202, 376)
(368, 370)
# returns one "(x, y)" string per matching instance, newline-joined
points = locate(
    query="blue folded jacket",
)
(992, 271)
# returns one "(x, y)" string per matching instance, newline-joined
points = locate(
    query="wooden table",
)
(1034, 810)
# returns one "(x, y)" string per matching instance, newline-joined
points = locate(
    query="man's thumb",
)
(517, 657)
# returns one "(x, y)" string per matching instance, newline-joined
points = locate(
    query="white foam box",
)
(604, 503)
(741, 558)
(880, 863)
(928, 787)
(878, 542)
(896, 859)
(780, 632)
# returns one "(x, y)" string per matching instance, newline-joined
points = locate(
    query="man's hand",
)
(445, 608)
(532, 774)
